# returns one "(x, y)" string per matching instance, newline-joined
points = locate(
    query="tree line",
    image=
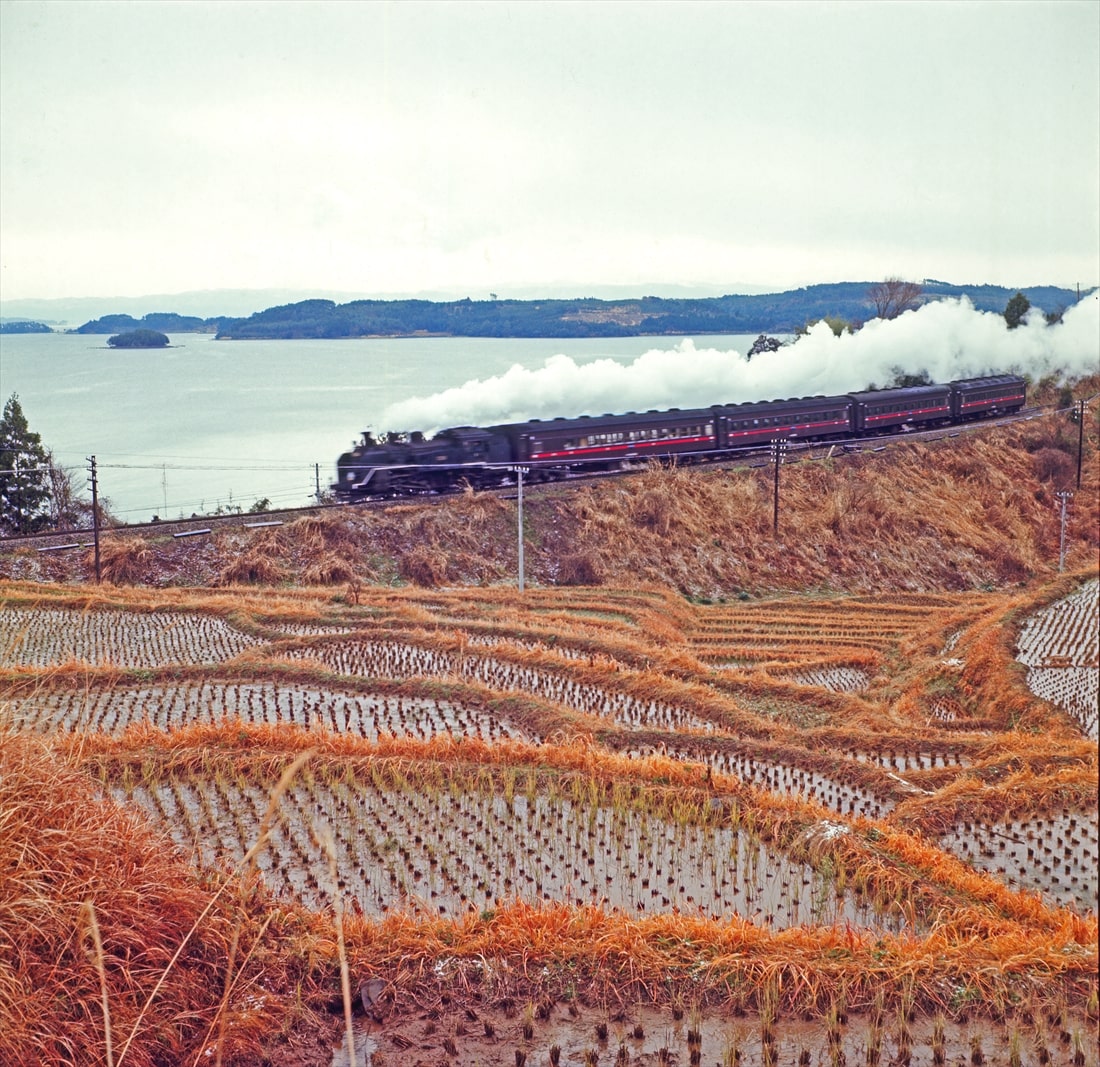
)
(849, 302)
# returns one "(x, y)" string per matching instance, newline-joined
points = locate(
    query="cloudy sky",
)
(382, 148)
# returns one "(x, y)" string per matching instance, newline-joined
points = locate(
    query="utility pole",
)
(519, 472)
(95, 513)
(779, 450)
(317, 480)
(1063, 495)
(1080, 408)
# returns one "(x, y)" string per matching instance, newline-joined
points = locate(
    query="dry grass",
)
(424, 566)
(76, 870)
(123, 560)
(254, 567)
(955, 514)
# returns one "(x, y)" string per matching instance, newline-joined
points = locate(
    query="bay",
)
(207, 424)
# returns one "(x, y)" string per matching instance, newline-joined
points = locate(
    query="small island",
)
(23, 326)
(139, 339)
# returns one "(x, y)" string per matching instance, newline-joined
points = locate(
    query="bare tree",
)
(893, 296)
(67, 508)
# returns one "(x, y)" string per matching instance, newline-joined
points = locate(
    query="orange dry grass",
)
(69, 986)
(613, 959)
(124, 560)
(1014, 796)
(996, 944)
(953, 514)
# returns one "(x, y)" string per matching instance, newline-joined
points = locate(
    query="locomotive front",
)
(410, 463)
(364, 470)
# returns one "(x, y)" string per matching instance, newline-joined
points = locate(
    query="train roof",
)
(804, 403)
(914, 391)
(990, 379)
(462, 433)
(628, 418)
(813, 403)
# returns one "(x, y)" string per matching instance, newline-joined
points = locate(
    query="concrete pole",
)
(1064, 496)
(519, 523)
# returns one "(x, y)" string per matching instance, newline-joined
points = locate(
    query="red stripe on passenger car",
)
(625, 446)
(897, 414)
(771, 431)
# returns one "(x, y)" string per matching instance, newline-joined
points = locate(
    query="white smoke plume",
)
(948, 339)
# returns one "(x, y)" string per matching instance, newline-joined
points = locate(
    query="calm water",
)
(208, 423)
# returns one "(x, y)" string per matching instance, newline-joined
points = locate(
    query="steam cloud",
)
(947, 338)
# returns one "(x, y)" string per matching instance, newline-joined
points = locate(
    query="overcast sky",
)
(472, 148)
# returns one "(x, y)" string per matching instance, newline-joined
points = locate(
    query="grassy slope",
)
(976, 511)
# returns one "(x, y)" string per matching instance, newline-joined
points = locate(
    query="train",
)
(401, 464)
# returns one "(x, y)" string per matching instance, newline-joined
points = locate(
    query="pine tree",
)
(24, 474)
(1016, 309)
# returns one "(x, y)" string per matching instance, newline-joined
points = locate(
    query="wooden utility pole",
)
(95, 514)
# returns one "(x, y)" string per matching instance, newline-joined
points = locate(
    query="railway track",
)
(197, 526)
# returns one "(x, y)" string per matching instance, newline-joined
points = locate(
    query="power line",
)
(202, 467)
(305, 493)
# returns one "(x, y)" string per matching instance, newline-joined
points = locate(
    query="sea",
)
(205, 425)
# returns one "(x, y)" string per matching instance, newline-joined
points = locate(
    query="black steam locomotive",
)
(468, 455)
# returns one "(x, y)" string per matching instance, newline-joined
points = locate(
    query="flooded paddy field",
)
(438, 849)
(618, 825)
(114, 709)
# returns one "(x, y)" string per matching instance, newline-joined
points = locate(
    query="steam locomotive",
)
(401, 464)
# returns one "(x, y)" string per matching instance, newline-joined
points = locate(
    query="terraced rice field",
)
(796, 768)
(114, 709)
(440, 851)
(49, 638)
(1061, 647)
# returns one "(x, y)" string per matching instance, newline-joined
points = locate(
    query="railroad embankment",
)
(979, 510)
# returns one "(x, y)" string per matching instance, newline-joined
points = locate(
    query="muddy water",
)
(647, 1036)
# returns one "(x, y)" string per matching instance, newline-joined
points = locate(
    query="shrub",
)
(424, 566)
(582, 568)
(253, 567)
(122, 561)
(1053, 465)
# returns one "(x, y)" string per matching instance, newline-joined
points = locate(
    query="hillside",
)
(557, 316)
(583, 317)
(583, 826)
(966, 512)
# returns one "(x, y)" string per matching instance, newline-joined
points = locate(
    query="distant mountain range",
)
(544, 317)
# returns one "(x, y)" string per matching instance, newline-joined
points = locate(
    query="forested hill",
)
(162, 321)
(585, 317)
(775, 313)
